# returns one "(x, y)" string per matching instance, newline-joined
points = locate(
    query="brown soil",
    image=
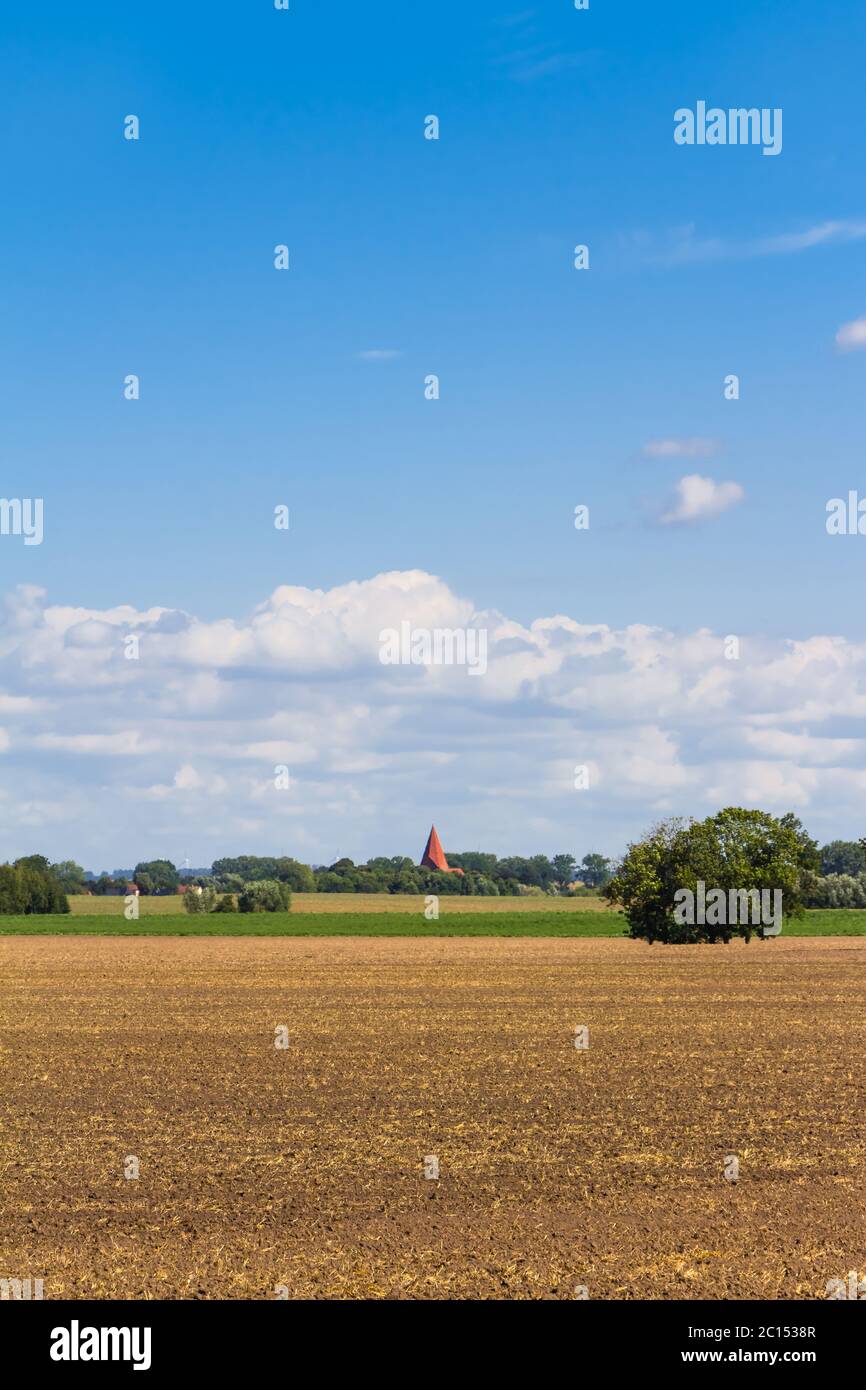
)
(304, 1167)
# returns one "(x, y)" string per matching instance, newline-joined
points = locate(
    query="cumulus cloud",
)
(697, 498)
(175, 753)
(852, 335)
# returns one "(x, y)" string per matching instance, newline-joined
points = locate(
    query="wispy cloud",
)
(379, 355)
(523, 58)
(544, 66)
(844, 230)
(852, 335)
(698, 498)
(521, 17)
(684, 246)
(688, 448)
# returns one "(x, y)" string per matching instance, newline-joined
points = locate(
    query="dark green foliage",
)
(108, 887)
(156, 876)
(483, 874)
(737, 849)
(808, 854)
(843, 857)
(26, 887)
(594, 871)
(33, 861)
(475, 861)
(231, 874)
(563, 867)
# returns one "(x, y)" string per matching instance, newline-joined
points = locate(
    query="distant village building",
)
(434, 855)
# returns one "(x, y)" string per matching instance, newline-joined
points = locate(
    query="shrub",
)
(200, 899)
(838, 890)
(265, 895)
(485, 887)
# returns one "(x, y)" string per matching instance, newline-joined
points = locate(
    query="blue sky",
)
(451, 257)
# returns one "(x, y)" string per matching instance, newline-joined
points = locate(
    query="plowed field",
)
(299, 1171)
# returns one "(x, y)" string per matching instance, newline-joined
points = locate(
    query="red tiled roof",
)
(434, 855)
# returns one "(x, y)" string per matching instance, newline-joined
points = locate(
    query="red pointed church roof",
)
(434, 855)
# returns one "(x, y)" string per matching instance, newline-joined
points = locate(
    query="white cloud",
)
(806, 748)
(15, 704)
(697, 498)
(187, 781)
(851, 335)
(674, 447)
(833, 230)
(112, 760)
(683, 245)
(379, 354)
(125, 745)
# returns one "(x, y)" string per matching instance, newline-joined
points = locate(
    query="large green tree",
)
(476, 860)
(69, 875)
(594, 870)
(156, 876)
(808, 854)
(33, 861)
(737, 851)
(842, 857)
(563, 866)
(250, 868)
(26, 887)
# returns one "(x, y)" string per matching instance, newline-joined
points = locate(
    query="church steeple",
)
(434, 855)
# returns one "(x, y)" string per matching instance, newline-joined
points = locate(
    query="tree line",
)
(650, 871)
(483, 874)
